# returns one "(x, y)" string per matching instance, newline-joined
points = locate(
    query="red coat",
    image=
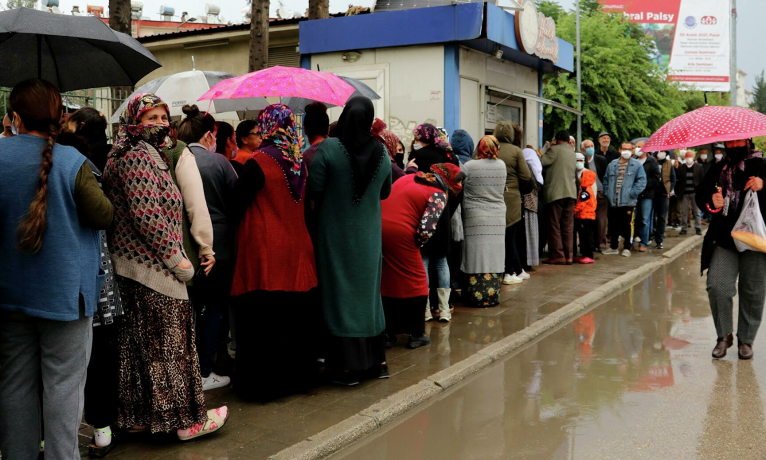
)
(586, 210)
(410, 204)
(274, 250)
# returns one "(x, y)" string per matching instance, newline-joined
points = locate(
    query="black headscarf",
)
(731, 181)
(363, 151)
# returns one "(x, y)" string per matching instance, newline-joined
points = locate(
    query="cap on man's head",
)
(579, 156)
(720, 146)
(603, 134)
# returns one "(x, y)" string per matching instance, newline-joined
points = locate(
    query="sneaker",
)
(523, 276)
(699, 231)
(214, 381)
(586, 260)
(682, 232)
(511, 279)
(660, 246)
(347, 379)
(610, 252)
(383, 372)
(626, 252)
(390, 340)
(417, 342)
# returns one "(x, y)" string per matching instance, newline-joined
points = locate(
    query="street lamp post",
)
(733, 77)
(579, 80)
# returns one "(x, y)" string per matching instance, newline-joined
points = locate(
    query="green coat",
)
(517, 172)
(348, 244)
(560, 171)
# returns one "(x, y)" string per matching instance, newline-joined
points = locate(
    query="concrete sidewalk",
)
(258, 431)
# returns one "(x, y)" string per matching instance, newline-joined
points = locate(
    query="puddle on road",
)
(630, 379)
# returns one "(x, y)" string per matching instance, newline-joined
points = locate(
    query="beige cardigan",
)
(190, 184)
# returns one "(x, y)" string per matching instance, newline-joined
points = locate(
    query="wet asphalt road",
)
(632, 379)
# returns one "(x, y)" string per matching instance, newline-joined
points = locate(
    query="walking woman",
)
(410, 215)
(274, 265)
(484, 224)
(210, 295)
(51, 203)
(349, 176)
(724, 188)
(160, 382)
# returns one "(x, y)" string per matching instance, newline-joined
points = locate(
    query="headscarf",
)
(377, 128)
(493, 148)
(276, 123)
(363, 151)
(131, 130)
(733, 162)
(389, 140)
(429, 134)
(533, 160)
(462, 145)
(451, 175)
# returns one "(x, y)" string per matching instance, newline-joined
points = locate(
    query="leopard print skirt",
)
(159, 377)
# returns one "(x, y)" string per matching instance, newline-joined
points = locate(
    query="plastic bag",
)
(749, 232)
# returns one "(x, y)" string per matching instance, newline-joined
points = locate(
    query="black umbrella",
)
(72, 52)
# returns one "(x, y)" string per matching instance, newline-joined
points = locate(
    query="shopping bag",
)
(749, 232)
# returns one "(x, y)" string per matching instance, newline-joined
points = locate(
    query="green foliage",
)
(623, 92)
(550, 8)
(11, 4)
(760, 143)
(588, 7)
(759, 94)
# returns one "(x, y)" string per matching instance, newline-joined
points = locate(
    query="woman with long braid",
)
(51, 212)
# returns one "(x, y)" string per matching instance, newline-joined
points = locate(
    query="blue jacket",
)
(633, 183)
(65, 275)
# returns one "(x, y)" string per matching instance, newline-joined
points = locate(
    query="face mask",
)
(590, 151)
(417, 146)
(626, 154)
(580, 165)
(703, 157)
(673, 162)
(13, 127)
(638, 153)
(690, 161)
(718, 156)
(661, 156)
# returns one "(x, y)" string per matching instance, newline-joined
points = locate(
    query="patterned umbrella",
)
(707, 125)
(249, 92)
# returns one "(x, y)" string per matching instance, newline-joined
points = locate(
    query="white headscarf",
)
(534, 164)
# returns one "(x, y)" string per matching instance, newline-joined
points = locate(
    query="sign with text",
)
(691, 37)
(536, 33)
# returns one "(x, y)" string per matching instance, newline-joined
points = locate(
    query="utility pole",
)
(259, 35)
(579, 81)
(733, 38)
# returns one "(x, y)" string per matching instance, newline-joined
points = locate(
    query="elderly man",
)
(690, 176)
(605, 150)
(624, 181)
(559, 196)
(597, 164)
(646, 198)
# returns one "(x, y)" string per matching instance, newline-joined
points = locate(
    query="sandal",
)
(216, 419)
(135, 429)
(94, 451)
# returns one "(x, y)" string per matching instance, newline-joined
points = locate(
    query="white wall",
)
(414, 86)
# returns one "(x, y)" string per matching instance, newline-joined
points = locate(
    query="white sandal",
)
(215, 421)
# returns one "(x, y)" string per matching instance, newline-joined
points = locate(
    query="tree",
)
(319, 9)
(259, 35)
(11, 4)
(759, 94)
(550, 8)
(623, 93)
(120, 16)
(589, 7)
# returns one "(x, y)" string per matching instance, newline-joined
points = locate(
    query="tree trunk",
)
(319, 9)
(259, 35)
(119, 16)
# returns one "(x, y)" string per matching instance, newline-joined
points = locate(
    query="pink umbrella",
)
(707, 125)
(248, 92)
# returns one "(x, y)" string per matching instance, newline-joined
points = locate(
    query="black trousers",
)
(584, 229)
(619, 226)
(512, 261)
(102, 383)
(521, 242)
(210, 300)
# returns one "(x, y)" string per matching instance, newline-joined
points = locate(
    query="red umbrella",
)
(708, 125)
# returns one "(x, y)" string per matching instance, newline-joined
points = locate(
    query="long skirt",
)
(159, 378)
(277, 338)
(356, 353)
(405, 316)
(483, 289)
(533, 238)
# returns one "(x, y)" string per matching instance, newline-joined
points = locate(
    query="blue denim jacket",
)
(633, 183)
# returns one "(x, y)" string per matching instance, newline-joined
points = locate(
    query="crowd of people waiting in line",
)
(128, 267)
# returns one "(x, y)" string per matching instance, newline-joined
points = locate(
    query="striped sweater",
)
(146, 238)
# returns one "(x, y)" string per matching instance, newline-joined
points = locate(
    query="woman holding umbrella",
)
(723, 192)
(160, 382)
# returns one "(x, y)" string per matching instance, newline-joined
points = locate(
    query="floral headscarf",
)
(492, 147)
(276, 123)
(429, 134)
(451, 175)
(131, 130)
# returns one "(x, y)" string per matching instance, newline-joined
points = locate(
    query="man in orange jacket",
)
(585, 210)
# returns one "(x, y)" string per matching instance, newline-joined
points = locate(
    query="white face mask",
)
(626, 154)
(703, 157)
(417, 146)
(661, 156)
(580, 165)
(638, 153)
(690, 161)
(718, 156)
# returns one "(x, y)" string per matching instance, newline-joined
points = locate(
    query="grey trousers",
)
(56, 354)
(689, 200)
(722, 284)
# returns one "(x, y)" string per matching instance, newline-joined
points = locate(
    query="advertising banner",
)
(691, 37)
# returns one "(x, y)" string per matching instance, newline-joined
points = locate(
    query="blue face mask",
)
(590, 151)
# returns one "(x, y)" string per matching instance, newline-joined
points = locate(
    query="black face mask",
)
(737, 154)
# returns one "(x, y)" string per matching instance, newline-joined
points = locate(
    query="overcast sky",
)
(751, 55)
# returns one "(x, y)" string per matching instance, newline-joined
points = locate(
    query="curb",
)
(383, 412)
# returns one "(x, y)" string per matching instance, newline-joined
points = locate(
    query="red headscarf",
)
(386, 137)
(488, 148)
(451, 175)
